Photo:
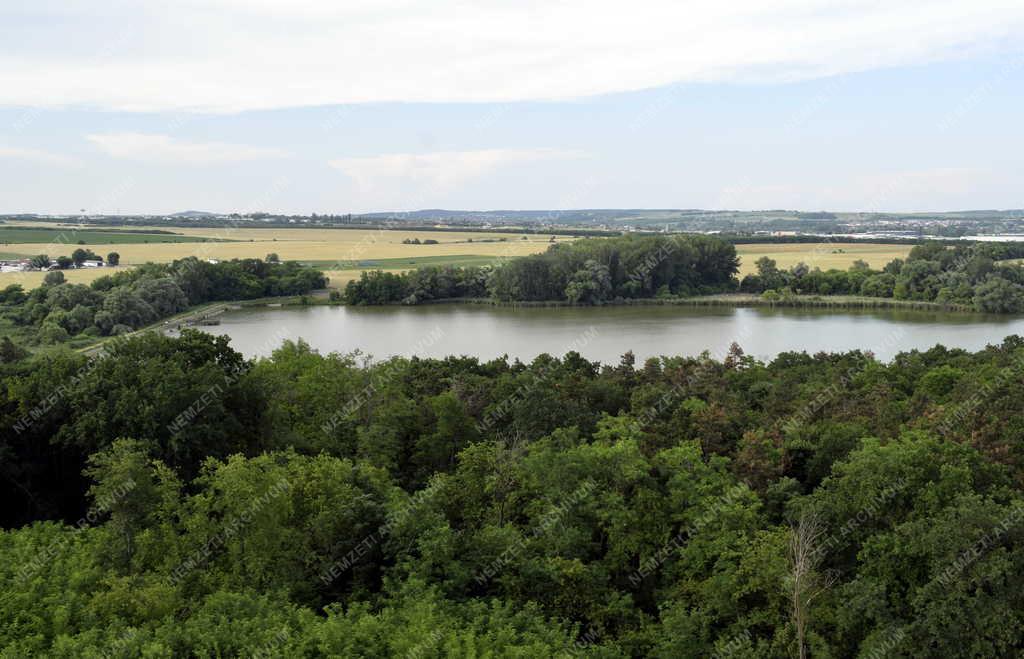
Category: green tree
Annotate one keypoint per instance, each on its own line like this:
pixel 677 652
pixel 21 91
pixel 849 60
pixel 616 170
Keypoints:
pixel 134 491
pixel 122 307
pixel 52 332
pixel 163 295
pixel 53 278
pixel 880 285
pixel 454 429
pixel 81 255
pixel 591 284
pixel 10 352
pixel 997 295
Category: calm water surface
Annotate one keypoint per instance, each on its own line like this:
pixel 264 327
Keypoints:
pixel 603 334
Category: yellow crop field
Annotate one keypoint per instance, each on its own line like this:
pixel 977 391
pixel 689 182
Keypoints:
pixel 824 255
pixel 327 247
pixel 335 250
pixel 338 245
pixel 29 280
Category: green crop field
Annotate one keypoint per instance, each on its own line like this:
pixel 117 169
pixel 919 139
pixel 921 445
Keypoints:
pixel 74 236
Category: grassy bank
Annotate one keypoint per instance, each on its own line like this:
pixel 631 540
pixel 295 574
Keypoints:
pixel 837 302
pixel 823 302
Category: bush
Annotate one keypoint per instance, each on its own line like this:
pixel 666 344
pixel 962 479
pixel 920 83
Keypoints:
pixel 51 332
pixel 53 278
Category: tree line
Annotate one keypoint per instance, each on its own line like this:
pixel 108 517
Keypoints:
pixel 127 300
pixel 979 276
pixel 975 276
pixel 588 271
pixel 77 258
pixel 173 498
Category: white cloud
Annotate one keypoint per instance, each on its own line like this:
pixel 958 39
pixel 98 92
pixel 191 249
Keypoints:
pixel 439 171
pixel 36 155
pixel 230 55
pixel 163 148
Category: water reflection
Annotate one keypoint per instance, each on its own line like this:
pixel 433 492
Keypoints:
pixel 604 334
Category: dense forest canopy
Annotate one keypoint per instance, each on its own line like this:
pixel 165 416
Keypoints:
pixel 171 498
pixel 130 299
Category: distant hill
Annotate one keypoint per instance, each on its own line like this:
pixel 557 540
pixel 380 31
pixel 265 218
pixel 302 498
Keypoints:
pixel 949 224
pixel 193 214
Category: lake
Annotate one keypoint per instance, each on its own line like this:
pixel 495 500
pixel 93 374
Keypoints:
pixel 604 333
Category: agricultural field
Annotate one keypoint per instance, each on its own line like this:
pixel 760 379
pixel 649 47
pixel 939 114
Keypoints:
pixel 824 255
pixel 70 235
pixel 340 276
pixel 320 245
pixel 344 253
pixel 821 255
pixel 29 280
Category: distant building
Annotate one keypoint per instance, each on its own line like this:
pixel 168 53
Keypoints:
pixel 20 265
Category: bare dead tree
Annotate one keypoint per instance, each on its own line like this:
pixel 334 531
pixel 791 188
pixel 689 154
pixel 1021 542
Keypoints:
pixel 806 582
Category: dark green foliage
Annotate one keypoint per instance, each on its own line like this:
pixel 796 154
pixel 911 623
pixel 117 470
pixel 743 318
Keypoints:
pixel 377 287
pixel 80 256
pixel 53 278
pixel 172 498
pixel 10 352
pixel 630 267
pixel 597 271
pixel 998 295
pixel 589 271
pixel 420 285
pixel 967 276
pixel 131 299
pixel 12 294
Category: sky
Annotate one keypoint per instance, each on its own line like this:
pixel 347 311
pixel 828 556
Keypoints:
pixel 119 106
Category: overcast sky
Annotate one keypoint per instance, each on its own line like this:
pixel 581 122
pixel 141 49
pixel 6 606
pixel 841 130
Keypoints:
pixel 355 105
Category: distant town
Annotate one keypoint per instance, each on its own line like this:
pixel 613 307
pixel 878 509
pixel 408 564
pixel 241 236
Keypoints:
pixel 973 224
